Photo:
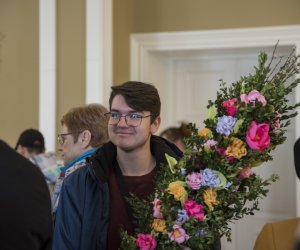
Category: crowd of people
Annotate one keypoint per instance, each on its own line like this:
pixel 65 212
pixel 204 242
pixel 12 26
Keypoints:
pixel 106 154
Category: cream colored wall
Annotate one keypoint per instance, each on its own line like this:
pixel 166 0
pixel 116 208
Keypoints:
pixel 19 49
pixel 183 15
pixel 18 68
pixel 122 27
pixel 70 56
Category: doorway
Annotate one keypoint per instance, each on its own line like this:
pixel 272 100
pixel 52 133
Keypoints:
pixel 186 67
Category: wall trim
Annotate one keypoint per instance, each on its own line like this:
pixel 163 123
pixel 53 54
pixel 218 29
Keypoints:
pixel 143 44
pixel 98 50
pixel 47 72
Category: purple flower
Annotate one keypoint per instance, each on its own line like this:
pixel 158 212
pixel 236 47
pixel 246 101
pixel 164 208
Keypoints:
pixel 178 234
pixel 225 124
pixel 210 143
pixel 193 180
pixel 210 178
pixel 182 216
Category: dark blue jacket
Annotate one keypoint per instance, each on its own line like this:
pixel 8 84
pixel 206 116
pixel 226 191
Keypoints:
pixel 83 212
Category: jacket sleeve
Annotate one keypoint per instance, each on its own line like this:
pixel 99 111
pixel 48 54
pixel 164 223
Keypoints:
pixel 68 225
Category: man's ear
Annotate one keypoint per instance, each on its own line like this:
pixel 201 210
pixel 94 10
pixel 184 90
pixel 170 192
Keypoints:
pixel 85 138
pixel 155 125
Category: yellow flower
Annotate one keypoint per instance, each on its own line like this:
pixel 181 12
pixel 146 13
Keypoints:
pixel 210 198
pixel 176 188
pixel 159 225
pixel 236 149
pixel 205 132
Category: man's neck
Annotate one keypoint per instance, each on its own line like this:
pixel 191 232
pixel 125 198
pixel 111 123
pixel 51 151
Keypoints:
pixel 136 163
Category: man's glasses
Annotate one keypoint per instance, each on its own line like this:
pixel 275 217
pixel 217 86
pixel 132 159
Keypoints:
pixel 61 137
pixel 131 119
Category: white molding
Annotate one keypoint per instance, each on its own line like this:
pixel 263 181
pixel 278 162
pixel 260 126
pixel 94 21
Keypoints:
pixel 47 72
pixel 142 45
pixel 98 50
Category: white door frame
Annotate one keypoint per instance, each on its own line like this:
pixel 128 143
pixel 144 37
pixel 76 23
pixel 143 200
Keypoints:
pixel 98 61
pixel 144 44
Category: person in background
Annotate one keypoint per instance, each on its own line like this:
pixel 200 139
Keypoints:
pixel 297 167
pixel 84 129
pixel 31 144
pixel 177 135
pixel 26 221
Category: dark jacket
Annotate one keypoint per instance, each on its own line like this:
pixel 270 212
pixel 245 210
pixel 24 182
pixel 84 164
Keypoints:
pixel 83 211
pixel 26 221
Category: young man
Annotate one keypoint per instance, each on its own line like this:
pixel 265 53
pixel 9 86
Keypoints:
pixel 93 207
pixel 84 129
pixel 26 221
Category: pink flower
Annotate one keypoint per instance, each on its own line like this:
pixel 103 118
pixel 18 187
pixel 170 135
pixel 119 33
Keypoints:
pixel 194 209
pixel 210 143
pixel 193 180
pixel 156 209
pixel 244 98
pixel 230 107
pixel 221 151
pixel 257 136
pixel 253 96
pixel 245 172
pixel 145 242
pixel 178 234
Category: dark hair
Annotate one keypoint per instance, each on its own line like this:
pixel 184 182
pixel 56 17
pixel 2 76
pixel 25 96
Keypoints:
pixel 176 133
pixel 33 140
pixel 297 157
pixel 139 96
pixel 88 117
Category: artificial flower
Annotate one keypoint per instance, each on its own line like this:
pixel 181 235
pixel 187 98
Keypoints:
pixel 205 132
pixel 225 124
pixel 159 225
pixel 193 180
pixel 194 210
pixel 178 234
pixel 210 198
pixel 145 242
pixel 230 106
pixel 257 136
pixel 245 172
pixel 156 209
pixel 236 149
pixel 177 189
pixel 182 216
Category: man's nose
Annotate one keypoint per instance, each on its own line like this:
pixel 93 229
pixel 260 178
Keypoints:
pixel 122 122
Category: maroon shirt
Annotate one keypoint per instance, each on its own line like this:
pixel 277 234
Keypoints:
pixel 142 187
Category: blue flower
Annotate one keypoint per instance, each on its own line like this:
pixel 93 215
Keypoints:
pixel 182 216
pixel 210 178
pixel 225 124
pixel 183 171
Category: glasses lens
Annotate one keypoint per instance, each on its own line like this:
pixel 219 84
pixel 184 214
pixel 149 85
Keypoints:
pixel 113 117
pixel 133 119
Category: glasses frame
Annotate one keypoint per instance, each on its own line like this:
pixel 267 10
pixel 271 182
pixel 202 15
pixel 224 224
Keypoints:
pixel 61 139
pixel 108 114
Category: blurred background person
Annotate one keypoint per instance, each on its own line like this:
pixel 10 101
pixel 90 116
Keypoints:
pixel 177 135
pixel 26 221
pixel 84 129
pixel 31 145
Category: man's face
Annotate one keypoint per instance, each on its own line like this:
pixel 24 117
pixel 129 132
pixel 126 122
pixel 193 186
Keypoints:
pixel 69 149
pixel 129 138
